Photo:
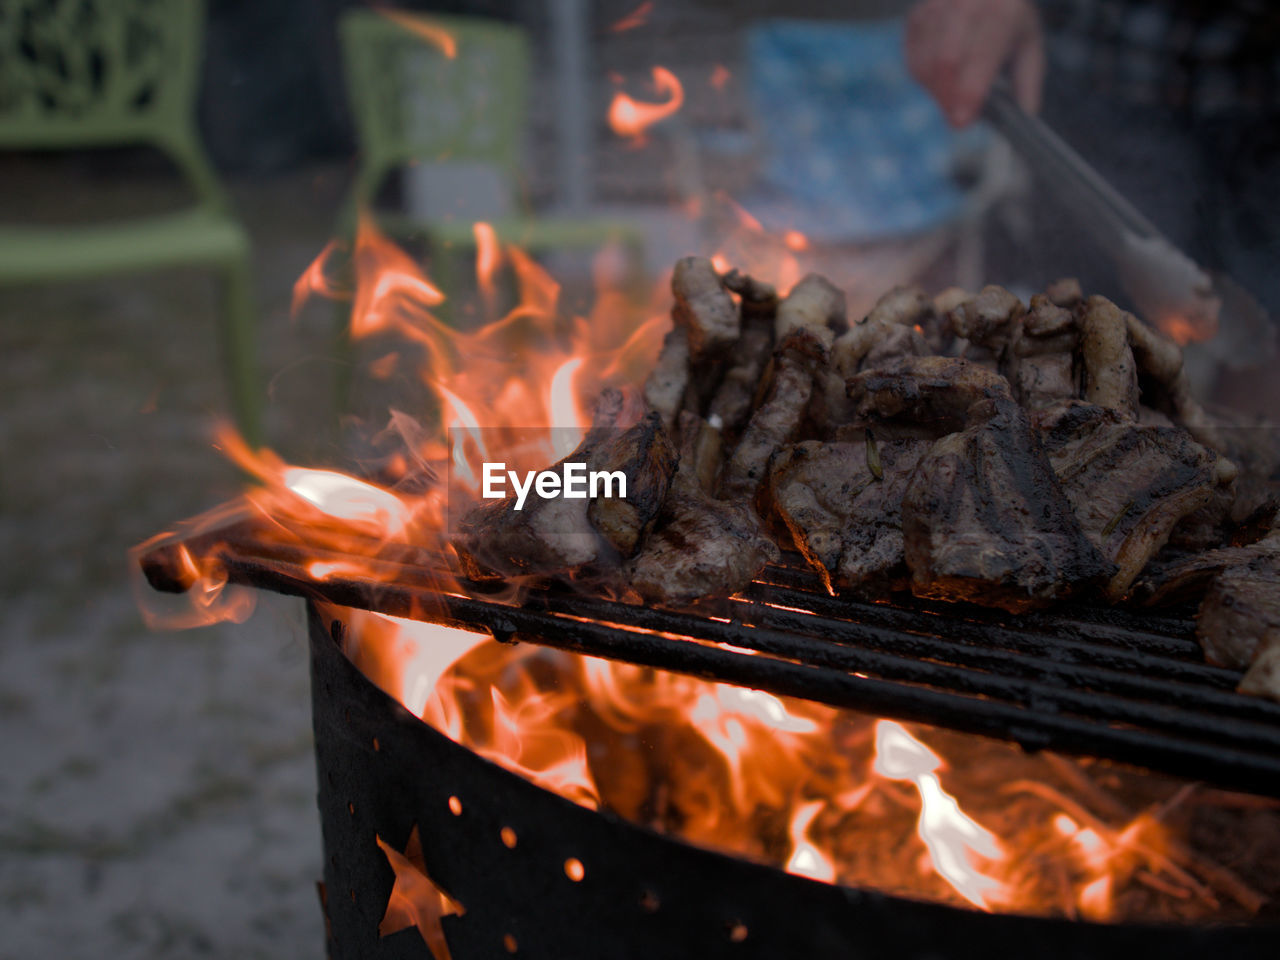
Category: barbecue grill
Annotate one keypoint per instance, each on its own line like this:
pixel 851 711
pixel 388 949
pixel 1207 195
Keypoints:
pixel 1111 683
pixel 382 771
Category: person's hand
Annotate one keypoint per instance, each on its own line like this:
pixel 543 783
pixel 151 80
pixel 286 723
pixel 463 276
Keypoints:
pixel 956 48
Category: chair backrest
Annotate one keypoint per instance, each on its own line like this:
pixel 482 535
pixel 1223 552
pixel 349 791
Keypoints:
pixel 93 73
pixel 414 103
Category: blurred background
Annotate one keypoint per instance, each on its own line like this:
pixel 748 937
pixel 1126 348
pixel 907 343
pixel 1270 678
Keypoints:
pixel 168 170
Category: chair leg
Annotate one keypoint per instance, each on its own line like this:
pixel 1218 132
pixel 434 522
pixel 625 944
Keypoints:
pixel 240 350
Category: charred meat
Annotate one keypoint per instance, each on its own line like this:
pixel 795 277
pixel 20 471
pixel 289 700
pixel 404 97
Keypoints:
pixel 842 503
pixel 1239 623
pixel 700 546
pixel 983 517
pixel 778 419
pixel 1128 484
pixel 555 535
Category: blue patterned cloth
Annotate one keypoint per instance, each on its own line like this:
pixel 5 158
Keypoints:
pixel 856 149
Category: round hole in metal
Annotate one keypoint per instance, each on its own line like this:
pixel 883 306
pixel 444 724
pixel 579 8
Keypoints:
pixel 455 806
pixel 649 901
pixel 351 808
pixel 508 838
pixel 737 932
pixel 376 745
pixel 509 942
pixel 574 870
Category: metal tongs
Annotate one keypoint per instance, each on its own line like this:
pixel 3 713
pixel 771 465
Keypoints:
pixel 1166 285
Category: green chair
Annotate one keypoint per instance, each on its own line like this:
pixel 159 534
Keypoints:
pixel 76 75
pixel 413 104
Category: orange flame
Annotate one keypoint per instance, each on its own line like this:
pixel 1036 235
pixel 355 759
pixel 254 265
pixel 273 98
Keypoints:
pixel 631 118
pixel 488 259
pixel 314 280
pixel 1184 329
pixel 416 900
pixel 807 860
pixel 951 836
pixel 636 18
pixel 795 240
pixel 432 33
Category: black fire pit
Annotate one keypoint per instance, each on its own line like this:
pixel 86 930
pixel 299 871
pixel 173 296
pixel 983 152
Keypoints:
pixel 383 772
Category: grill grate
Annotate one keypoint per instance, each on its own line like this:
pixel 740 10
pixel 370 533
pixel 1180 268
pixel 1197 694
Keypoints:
pixel 1105 682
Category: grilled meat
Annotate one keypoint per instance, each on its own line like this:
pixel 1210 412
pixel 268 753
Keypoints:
pixel 1065 293
pixel 1171 580
pixel 988 322
pixel 1239 623
pixel 983 517
pixel 645 456
pixel 842 504
pixel 665 387
pixel 731 405
pixel 1128 484
pixel 703 308
pixel 1063 452
pixel 813 303
pixel 893 328
pixel 1164 383
pixel 778 419
pixel 559 535
pixel 1040 357
pixel 700 546
pixel 926 396
pixel 757 296
pixel 1110 374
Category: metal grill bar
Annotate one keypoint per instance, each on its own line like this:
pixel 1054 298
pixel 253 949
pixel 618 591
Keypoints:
pixel 1107 683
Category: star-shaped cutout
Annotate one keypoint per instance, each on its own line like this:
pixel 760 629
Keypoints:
pixel 416 900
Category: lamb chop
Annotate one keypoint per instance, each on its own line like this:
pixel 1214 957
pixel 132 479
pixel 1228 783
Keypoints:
pixel 988 321
pixel 983 518
pixel 777 421
pixel 706 325
pixel 665 387
pixel 703 307
pixel 700 546
pixel 749 355
pixel 842 503
pixel 1040 358
pixel 1170 580
pixel 560 535
pixel 1110 373
pixel 895 327
pixel 1239 623
pixel 814 303
pixel 1129 484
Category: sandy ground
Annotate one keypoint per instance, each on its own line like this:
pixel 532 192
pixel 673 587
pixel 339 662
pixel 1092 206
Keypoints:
pixel 157 789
